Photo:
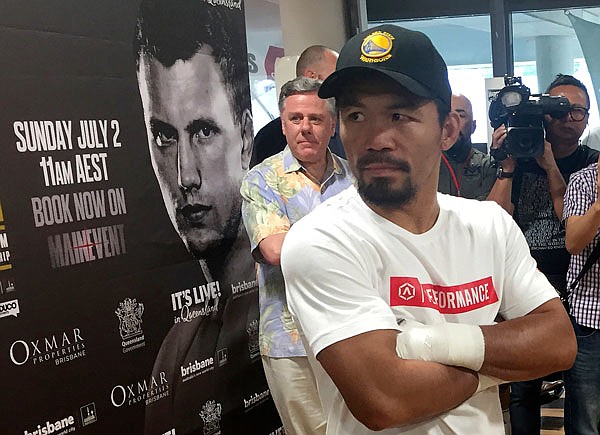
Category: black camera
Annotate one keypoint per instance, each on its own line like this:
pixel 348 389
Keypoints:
pixel 523 116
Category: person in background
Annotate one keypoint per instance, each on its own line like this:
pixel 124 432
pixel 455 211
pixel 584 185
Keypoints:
pixel 465 171
pixel 277 194
pixel 315 62
pixel 582 220
pixel 532 190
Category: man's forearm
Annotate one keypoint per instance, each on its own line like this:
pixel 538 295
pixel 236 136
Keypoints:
pixel 501 194
pixel 557 188
pixel 582 229
pixel 270 248
pixel 531 346
pixel 383 390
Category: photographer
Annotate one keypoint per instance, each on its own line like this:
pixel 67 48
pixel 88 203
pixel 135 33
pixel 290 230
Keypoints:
pixel 532 190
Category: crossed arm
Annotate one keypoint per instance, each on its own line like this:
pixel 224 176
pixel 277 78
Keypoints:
pixel 383 390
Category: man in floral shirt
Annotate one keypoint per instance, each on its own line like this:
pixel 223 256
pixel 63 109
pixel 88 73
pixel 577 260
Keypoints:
pixel 277 193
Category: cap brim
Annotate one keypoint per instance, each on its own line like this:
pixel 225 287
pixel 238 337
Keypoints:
pixel 336 82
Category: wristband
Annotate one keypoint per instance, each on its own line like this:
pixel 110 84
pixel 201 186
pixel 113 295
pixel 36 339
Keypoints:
pixel 501 173
pixel 451 344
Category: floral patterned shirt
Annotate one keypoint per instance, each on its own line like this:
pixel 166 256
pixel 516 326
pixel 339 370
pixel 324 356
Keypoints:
pixel 277 193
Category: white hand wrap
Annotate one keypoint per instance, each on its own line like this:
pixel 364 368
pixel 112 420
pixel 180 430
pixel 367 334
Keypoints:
pixel 451 344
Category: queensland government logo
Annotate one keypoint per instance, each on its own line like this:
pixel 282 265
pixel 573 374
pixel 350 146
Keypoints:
pixel 211 417
pixel 60 348
pixel 130 324
pixel 376 47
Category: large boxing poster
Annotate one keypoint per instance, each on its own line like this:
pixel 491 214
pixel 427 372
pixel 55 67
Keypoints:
pixel 128 299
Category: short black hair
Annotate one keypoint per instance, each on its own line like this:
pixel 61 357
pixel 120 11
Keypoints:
pixel 172 30
pixel 568 80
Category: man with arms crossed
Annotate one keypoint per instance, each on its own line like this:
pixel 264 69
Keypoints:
pixel 277 194
pixel 396 256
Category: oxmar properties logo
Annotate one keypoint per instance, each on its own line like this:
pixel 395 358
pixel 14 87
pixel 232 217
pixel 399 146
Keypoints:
pixel 129 314
pixel 60 348
pixel 147 391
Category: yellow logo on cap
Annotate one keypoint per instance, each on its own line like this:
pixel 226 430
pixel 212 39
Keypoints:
pixel 376 47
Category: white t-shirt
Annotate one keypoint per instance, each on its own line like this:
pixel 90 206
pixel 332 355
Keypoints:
pixel 349 271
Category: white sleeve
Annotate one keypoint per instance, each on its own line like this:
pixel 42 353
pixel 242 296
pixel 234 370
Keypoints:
pixel 330 287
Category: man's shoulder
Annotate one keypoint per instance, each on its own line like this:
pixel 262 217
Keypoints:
pixel 331 213
pixel 272 127
pixel 472 212
pixel 270 164
pixel 481 159
pixel 590 153
pixel 579 159
pixel 268 141
pixel 589 172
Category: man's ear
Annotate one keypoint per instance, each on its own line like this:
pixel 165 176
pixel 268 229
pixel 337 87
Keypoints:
pixel 310 74
pixel 334 123
pixel 474 126
pixel 247 132
pixel 450 130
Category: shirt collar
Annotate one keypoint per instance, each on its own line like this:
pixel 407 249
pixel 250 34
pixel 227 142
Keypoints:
pixel 291 163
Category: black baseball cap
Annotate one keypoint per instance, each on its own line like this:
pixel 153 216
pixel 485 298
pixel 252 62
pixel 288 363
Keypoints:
pixel 406 56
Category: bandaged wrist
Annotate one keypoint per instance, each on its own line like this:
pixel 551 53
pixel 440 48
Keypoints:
pixel 446 343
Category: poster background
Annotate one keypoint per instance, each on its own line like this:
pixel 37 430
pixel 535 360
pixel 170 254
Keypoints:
pixel 73 60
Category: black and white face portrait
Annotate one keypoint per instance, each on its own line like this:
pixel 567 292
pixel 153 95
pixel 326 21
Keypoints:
pixel 199 151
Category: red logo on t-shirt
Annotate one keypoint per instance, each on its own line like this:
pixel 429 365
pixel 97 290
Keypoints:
pixel 456 299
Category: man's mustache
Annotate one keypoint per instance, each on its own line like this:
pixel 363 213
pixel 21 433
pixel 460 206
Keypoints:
pixel 381 159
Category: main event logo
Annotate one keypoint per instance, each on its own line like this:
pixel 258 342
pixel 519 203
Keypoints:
pixel 457 299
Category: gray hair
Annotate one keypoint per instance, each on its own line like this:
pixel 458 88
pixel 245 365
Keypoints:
pixel 303 85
